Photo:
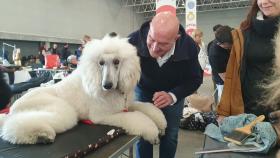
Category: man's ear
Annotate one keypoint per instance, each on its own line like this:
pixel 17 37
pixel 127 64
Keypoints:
pixel 178 36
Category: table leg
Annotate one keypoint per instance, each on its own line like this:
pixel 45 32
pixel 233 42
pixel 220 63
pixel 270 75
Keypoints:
pixel 131 152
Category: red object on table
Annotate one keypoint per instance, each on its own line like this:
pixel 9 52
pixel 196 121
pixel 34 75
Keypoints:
pixel 51 61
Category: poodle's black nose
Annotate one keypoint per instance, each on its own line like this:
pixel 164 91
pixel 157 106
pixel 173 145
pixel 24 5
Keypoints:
pixel 108 85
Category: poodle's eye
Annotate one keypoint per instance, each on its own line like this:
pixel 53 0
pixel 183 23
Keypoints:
pixel 101 62
pixel 116 61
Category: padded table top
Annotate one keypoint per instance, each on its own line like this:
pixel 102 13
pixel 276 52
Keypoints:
pixel 211 144
pixel 70 141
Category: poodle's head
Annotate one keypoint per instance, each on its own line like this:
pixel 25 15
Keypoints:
pixel 109 64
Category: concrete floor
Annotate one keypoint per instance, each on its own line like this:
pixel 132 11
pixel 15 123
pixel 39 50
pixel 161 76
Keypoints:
pixel 188 143
pixel 191 141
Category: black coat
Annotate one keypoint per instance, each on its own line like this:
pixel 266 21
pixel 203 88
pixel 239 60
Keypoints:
pixel 5 92
pixel 181 74
pixel 257 64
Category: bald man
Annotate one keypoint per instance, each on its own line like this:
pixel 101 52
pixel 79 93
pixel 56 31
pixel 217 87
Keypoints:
pixel 170 72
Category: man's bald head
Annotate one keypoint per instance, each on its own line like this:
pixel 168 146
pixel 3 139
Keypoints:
pixel 165 23
pixel 163 34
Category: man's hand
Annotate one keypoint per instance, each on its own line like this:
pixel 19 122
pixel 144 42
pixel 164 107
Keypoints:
pixel 162 99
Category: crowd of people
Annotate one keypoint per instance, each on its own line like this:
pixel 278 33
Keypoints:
pixel 64 57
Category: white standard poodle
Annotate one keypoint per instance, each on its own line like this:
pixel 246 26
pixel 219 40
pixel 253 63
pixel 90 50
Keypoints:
pixel 100 89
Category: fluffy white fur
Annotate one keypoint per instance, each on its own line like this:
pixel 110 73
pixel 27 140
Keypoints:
pixel 99 90
pixel 272 97
pixel 273 88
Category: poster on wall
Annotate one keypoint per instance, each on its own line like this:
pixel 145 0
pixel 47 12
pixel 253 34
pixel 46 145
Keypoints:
pixel 166 5
pixel 190 16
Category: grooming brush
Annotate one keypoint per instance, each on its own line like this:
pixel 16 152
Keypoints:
pixel 239 135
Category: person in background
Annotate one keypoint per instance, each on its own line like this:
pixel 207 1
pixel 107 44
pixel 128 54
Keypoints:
pixel 5 55
pixel 85 40
pixel 52 60
pixel 251 61
pixel 72 61
pixel 78 52
pixel 42 53
pixel 24 61
pixel 219 52
pixel 197 35
pixel 65 53
pixel 54 49
pixel 170 71
pixel 208 46
pixel 215 28
pixel 34 62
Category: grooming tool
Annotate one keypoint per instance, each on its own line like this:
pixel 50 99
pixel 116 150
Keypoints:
pixel 239 135
pixel 247 149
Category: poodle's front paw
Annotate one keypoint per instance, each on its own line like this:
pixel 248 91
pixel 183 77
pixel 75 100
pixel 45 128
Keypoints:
pixel 161 132
pixel 32 135
pixel 161 124
pixel 45 139
pixel 154 114
pixel 2 119
pixel 153 139
pixel 151 135
pixel 42 138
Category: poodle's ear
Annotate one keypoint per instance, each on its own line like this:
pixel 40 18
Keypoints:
pixel 129 73
pixel 91 76
pixel 89 67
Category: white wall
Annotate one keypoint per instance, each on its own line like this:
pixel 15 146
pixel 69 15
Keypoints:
pixel 206 20
pixel 68 20
pixel 63 20
pixel 233 18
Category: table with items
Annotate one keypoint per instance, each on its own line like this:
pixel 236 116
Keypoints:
pixel 74 142
pixel 211 145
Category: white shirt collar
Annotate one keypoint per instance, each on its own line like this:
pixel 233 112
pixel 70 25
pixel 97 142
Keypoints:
pixel 260 16
pixel 162 60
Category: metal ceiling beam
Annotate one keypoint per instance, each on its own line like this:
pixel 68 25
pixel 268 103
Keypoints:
pixel 148 7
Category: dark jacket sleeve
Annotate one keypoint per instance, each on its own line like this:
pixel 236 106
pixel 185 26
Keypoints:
pixel 194 74
pixel 218 58
pixel 191 84
pixel 218 63
pixel 133 38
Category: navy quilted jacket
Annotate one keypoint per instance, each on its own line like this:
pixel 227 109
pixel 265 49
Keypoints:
pixel 181 74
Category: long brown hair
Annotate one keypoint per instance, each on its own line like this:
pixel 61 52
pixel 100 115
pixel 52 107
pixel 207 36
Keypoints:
pixel 245 24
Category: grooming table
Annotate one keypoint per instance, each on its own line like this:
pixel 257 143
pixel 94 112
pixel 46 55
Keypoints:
pixel 210 144
pixel 70 141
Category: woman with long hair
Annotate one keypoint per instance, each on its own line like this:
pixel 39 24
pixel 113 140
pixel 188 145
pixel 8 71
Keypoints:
pixel 251 61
